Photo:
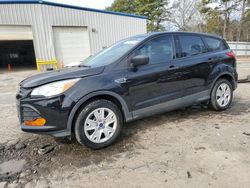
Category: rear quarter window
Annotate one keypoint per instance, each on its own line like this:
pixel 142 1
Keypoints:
pixel 214 44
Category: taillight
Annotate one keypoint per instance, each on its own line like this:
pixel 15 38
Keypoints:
pixel 231 54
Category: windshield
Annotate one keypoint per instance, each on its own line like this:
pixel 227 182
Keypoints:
pixel 112 53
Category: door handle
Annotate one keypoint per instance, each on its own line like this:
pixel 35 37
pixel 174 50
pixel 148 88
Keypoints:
pixel 172 67
pixel 210 60
pixel 121 80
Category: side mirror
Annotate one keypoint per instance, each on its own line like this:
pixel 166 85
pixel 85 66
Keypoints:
pixel 139 60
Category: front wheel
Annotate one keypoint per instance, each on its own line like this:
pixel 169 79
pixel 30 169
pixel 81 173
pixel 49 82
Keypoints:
pixel 98 124
pixel 222 95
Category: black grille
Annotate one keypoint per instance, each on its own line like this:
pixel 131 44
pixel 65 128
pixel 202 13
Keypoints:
pixel 28 113
pixel 18 110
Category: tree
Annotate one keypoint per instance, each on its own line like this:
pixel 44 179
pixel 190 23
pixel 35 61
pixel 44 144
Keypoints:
pixel 184 14
pixel 245 30
pixel 155 10
pixel 214 23
pixel 127 6
pixel 243 10
pixel 212 18
pixel 224 8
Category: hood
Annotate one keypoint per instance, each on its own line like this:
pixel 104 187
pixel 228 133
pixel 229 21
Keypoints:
pixel 68 73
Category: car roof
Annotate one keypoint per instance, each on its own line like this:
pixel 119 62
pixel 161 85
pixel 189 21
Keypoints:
pixel 181 32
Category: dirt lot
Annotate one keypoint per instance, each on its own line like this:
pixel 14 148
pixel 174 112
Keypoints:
pixel 244 66
pixel 195 147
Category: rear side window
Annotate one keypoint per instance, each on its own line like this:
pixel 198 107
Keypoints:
pixel 214 44
pixel 191 45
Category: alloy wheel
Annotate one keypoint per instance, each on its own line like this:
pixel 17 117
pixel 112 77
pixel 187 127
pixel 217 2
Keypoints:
pixel 223 95
pixel 100 125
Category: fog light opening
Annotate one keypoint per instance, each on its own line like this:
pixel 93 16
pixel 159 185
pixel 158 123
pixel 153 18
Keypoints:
pixel 36 122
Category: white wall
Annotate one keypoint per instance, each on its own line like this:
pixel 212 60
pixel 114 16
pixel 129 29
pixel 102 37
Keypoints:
pixel 240 48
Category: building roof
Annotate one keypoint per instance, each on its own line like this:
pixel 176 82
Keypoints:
pixel 68 6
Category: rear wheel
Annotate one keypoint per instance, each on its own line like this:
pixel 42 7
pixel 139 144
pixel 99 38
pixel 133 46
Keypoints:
pixel 98 124
pixel 222 95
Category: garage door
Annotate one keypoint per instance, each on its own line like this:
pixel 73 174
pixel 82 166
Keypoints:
pixel 15 33
pixel 16 47
pixel 71 44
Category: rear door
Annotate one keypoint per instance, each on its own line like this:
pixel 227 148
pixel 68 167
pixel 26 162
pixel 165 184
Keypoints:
pixel 150 86
pixel 217 51
pixel 193 64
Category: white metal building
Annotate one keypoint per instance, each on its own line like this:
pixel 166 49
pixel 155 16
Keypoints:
pixel 35 29
pixel 240 48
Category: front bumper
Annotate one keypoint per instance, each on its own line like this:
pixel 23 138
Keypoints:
pixel 55 110
pixel 45 131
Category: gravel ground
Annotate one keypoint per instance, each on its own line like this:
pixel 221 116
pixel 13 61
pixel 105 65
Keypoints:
pixel 194 147
pixel 244 67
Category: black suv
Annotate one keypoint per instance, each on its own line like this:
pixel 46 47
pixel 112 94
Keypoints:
pixel 134 78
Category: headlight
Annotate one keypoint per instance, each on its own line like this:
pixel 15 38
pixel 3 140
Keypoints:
pixel 54 88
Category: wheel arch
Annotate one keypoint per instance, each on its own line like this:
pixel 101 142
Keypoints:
pixel 113 97
pixel 226 75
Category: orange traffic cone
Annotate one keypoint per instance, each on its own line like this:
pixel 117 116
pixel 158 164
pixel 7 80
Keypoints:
pixel 62 65
pixel 9 67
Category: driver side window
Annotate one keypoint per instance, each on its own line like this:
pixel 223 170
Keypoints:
pixel 159 50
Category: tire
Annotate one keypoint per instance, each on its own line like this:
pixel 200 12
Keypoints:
pixel 216 102
pixel 94 131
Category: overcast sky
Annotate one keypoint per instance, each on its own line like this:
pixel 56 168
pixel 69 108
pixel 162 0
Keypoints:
pixel 98 4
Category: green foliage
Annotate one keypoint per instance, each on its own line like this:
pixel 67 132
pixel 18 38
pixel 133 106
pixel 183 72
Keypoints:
pixel 214 23
pixel 218 18
pixel 127 6
pixel 155 10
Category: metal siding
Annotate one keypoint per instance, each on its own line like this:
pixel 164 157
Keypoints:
pixel 109 27
pixel 71 44
pixel 240 48
pixel 15 32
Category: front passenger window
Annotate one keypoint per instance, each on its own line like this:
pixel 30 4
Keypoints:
pixel 159 50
